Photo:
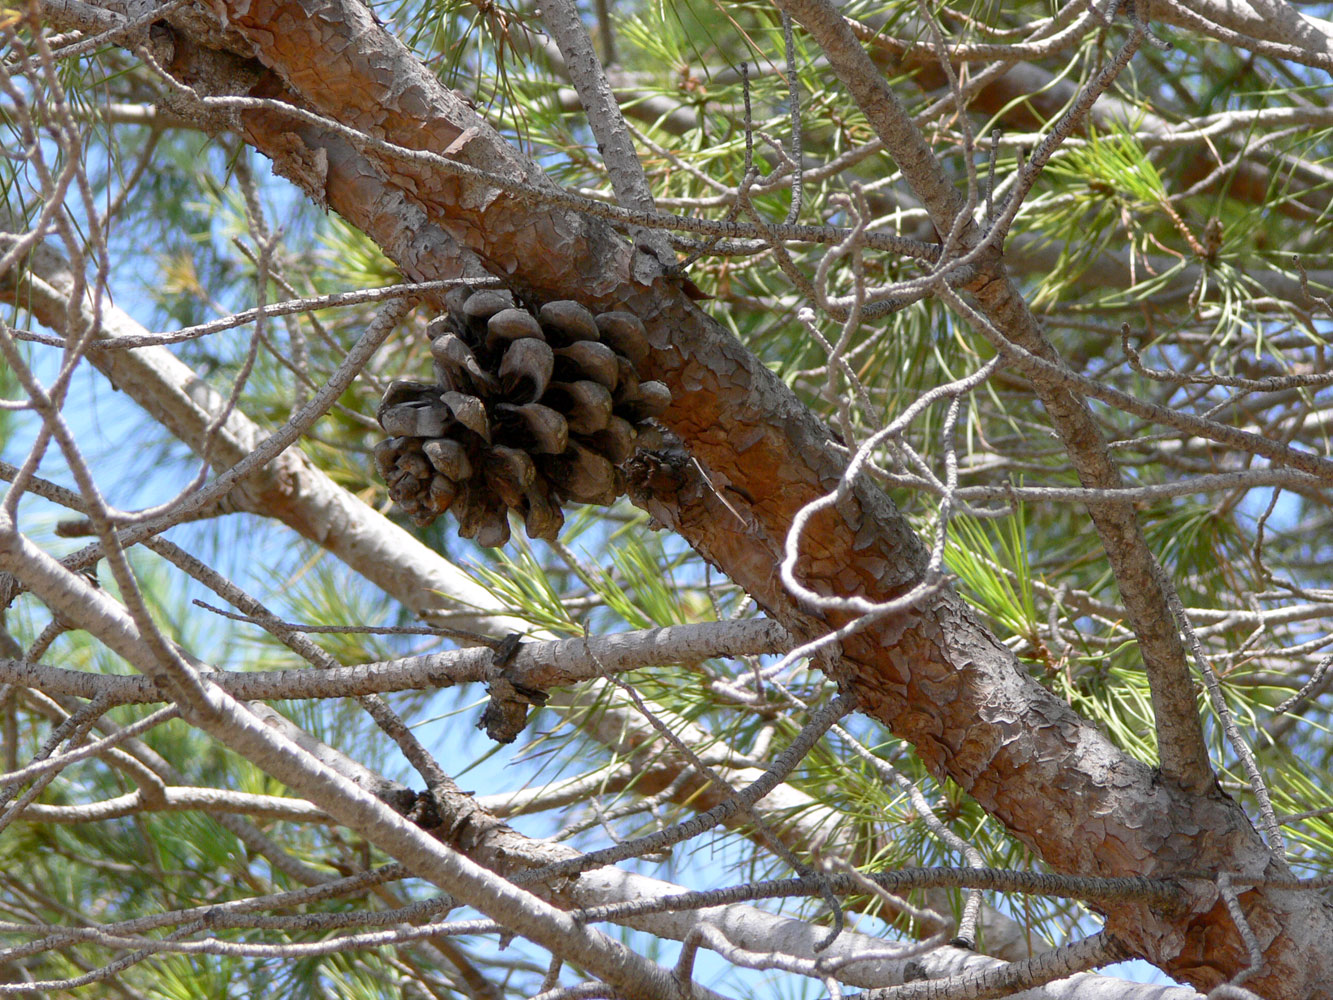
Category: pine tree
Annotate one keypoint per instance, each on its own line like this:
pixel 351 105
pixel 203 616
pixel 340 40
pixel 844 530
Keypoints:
pixel 664 500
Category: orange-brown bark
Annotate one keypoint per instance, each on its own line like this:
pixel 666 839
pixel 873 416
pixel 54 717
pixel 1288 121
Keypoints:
pixel 936 677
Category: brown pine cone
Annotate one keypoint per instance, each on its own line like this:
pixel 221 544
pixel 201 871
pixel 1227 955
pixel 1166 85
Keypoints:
pixel 526 411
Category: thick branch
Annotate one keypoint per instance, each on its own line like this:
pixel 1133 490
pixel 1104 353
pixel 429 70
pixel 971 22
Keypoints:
pixel 1180 734
pixel 936 677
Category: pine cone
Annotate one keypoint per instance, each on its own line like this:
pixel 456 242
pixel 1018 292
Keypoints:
pixel 525 412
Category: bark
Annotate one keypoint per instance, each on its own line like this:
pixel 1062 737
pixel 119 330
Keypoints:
pixel 936 677
pixel 1179 736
